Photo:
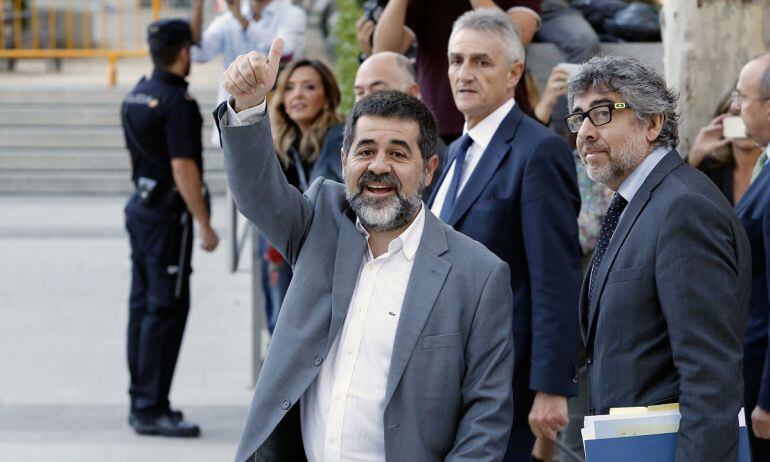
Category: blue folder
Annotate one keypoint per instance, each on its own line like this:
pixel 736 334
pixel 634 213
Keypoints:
pixel 648 448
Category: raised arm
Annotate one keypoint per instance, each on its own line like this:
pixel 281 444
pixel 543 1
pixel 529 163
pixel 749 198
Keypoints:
pixel 259 186
pixel 391 33
pixel 196 21
pixel 523 17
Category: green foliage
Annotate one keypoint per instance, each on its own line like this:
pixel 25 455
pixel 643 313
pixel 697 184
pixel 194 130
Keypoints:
pixel 347 50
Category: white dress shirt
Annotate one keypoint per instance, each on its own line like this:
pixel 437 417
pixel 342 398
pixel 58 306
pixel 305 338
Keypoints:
pixel 481 135
pixel 342 411
pixel 226 36
pixel 630 186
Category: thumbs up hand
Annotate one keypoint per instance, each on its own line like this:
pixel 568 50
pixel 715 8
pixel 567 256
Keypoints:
pixel 251 76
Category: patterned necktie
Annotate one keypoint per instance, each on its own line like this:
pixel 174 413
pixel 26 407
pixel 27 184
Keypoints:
pixel 459 161
pixel 759 165
pixel 610 222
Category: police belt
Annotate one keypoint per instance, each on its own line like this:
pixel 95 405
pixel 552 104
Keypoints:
pixel 152 192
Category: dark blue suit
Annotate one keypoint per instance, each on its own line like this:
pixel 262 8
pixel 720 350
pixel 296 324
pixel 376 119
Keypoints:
pixel 754 212
pixel 522 202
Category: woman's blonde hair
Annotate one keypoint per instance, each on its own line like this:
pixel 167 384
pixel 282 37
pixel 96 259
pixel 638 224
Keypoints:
pixel 286 131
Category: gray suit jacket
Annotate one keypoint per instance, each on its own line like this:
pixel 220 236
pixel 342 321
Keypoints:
pixel 448 394
pixel 667 317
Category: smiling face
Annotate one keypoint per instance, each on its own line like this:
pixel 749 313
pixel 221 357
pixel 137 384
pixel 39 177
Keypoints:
pixel 385 174
pixel 481 77
pixel 304 96
pixel 612 151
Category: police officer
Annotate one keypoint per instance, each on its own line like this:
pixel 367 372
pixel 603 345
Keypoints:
pixel 162 126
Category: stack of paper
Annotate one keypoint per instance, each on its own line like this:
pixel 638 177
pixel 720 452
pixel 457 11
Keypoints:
pixel 642 435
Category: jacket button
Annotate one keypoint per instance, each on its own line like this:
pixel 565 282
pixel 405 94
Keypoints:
pixel 575 380
pixel 318 360
pixel 589 361
pixel 285 404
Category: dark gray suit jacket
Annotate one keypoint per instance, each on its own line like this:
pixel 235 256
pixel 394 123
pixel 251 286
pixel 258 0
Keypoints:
pixel 448 394
pixel 667 318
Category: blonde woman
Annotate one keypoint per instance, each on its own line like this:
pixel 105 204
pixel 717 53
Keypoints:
pixel 303 115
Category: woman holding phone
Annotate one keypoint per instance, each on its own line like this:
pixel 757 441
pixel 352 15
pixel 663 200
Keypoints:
pixel 722 151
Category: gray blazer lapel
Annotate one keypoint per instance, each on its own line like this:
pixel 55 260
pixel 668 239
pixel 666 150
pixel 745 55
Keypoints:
pixel 635 207
pixel 351 245
pixel 428 274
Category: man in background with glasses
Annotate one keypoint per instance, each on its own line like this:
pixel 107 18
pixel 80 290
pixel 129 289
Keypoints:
pixel 664 298
pixel 752 98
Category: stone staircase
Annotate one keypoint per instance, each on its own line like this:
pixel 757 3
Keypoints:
pixel 64 136
pixel 70 141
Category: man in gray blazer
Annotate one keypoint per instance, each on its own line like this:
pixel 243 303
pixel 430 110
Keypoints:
pixel 394 340
pixel 664 300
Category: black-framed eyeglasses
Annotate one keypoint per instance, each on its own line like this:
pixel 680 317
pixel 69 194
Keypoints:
pixel 598 115
pixel 736 96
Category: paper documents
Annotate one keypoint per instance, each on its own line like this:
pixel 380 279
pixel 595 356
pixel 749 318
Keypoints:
pixel 641 434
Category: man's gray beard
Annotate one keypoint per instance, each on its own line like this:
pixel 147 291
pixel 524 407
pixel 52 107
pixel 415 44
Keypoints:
pixel 624 159
pixel 381 215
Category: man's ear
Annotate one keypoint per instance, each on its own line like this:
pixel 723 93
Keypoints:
pixel 343 159
pixel 184 54
pixel 414 90
pixel 654 127
pixel 515 73
pixel 430 168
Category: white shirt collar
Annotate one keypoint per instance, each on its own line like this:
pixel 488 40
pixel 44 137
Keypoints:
pixel 408 240
pixel 483 132
pixel 631 185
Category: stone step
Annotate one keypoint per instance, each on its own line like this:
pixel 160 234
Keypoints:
pixel 68 137
pixel 109 159
pixel 102 96
pixel 69 116
pixel 81 182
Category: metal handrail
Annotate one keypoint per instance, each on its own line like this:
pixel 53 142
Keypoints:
pixel 14 46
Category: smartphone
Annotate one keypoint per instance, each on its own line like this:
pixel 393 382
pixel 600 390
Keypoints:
pixel 733 127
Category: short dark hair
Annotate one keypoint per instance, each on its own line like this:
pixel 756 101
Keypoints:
pixel 393 104
pixel 164 58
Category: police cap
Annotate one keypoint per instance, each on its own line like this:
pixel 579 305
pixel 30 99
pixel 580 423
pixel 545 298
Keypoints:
pixel 168 33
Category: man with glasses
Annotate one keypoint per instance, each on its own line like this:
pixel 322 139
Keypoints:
pixel 664 298
pixel 752 98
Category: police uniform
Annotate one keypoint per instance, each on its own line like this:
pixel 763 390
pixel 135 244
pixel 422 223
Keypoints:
pixel 161 121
